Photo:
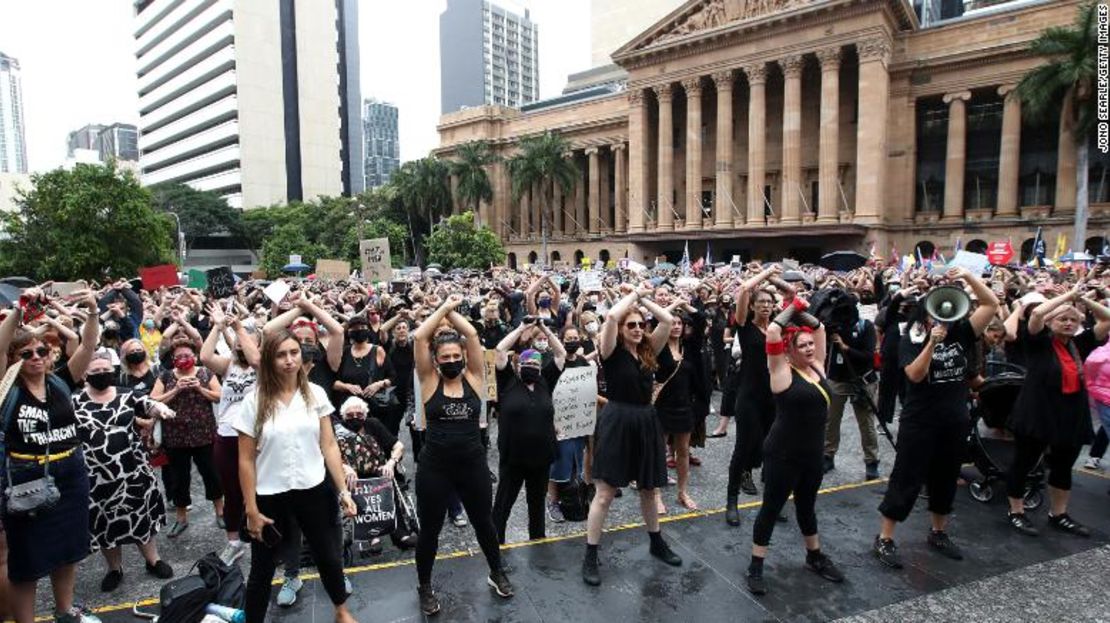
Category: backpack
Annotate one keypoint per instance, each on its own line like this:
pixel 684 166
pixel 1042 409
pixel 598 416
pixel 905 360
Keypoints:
pixel 184 599
pixel 574 499
pixel 226 581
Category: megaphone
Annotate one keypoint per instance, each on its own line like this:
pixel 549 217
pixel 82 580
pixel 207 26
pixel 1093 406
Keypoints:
pixel 947 304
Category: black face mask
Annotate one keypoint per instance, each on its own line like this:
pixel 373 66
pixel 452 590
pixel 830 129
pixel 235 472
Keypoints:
pixel 360 336
pixel 529 374
pixel 99 381
pixel 572 347
pixel 353 424
pixel 309 352
pixel 452 369
pixel 111 334
pixel 135 358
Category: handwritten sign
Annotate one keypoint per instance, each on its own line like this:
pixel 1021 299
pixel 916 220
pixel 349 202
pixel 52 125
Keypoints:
pixel 377 508
pixel 336 270
pixel 575 400
pixel 490 367
pixel 975 263
pixel 376 264
pixel 589 280
pixel 221 282
pixel 277 291
pixel 65 288
pixel 155 277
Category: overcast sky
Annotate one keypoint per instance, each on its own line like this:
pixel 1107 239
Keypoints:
pixel 78 65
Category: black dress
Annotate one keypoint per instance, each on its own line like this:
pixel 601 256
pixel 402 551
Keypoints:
pixel 674 406
pixel 628 439
pixel 755 407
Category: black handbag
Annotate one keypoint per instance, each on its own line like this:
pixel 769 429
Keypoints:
pixel 183 600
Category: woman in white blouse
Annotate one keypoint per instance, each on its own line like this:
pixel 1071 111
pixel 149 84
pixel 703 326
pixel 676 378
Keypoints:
pixel 287 451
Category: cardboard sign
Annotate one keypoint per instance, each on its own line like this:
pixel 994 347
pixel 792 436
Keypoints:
pixel 589 280
pixel 575 400
pixel 376 261
pixel 1000 253
pixel 155 277
pixel 490 368
pixel 336 270
pixel 377 508
pixel 277 291
pixel 197 279
pixel 221 282
pixel 258 274
pixel 295 259
pixel 65 288
pixel 975 263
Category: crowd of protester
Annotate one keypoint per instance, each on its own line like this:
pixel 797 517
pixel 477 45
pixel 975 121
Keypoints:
pixel 281 406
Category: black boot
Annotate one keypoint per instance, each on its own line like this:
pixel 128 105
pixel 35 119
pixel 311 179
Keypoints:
pixel 590 573
pixel 747 485
pixel 732 513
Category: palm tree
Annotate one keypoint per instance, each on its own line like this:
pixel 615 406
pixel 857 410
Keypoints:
pixel 1066 82
pixel 470 167
pixel 542 161
pixel 422 188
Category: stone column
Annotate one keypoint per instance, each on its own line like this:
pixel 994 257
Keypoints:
pixel 723 200
pixel 791 139
pixel 525 211
pixel 1009 157
pixel 605 208
pixel 1066 167
pixel 637 159
pixel 692 86
pixel 595 190
pixel 454 184
pixel 757 141
pixel 665 198
pixel 874 102
pixel 537 208
pixel 557 209
pixel 620 193
pixel 828 174
pixel 580 189
pixel 956 156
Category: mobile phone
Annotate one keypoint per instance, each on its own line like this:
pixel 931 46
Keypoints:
pixel 271 537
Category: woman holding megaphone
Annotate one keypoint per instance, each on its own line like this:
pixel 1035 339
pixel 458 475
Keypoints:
pixel 936 356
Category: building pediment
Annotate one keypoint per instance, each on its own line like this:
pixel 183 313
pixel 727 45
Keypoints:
pixel 698 16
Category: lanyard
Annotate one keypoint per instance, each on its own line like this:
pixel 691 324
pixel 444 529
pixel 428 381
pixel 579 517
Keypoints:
pixel 817 386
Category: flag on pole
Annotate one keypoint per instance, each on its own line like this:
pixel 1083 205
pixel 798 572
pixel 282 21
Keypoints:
pixel 1040 249
pixel 685 263
pixel 1061 247
pixel 920 260
pixel 959 244
pixel 708 255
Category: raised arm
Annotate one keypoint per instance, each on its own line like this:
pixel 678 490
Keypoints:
pixel 558 351
pixel 506 343
pixel 1101 314
pixel 334 349
pixel 610 329
pixel 777 366
pixel 663 329
pixel 475 354
pixel 90 334
pixel 1037 318
pixel 209 358
pixel 422 341
pixel 744 293
pixel 988 302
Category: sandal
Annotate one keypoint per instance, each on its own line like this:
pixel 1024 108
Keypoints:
pixel 177 529
pixel 687 503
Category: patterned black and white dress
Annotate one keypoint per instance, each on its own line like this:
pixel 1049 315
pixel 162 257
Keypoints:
pixel 125 504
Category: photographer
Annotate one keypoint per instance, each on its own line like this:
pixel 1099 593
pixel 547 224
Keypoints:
pixel 852 372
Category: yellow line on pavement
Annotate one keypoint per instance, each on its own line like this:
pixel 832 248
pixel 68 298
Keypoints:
pixel 469 552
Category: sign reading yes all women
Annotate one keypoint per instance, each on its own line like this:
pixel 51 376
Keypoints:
pixel 377 510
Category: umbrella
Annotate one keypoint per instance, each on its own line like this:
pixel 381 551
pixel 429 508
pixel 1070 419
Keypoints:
pixel 436 266
pixel 843 261
pixel 433 272
pixel 1077 256
pixel 664 266
pixel 9 294
pixel 295 268
pixel 19 282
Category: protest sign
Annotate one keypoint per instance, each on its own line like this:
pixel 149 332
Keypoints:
pixel 336 270
pixel 155 277
pixel 376 265
pixel 197 279
pixel 221 282
pixel 65 288
pixel 589 280
pixel 277 291
pixel 490 368
pixel 1001 252
pixel 975 263
pixel 575 400
pixel 377 508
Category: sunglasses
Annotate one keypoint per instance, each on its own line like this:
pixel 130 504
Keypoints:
pixel 633 324
pixel 41 352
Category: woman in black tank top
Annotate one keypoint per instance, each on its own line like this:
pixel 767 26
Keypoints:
pixel 794 447
pixel 449 365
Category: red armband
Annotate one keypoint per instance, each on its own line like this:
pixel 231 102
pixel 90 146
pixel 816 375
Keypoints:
pixel 776 348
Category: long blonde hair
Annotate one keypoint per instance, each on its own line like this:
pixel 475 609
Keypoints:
pixel 269 381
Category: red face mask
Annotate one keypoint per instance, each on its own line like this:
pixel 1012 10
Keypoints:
pixel 184 362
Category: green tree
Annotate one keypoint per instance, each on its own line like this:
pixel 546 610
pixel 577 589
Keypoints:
pixel 542 161
pixel 286 240
pixel 424 192
pixel 1066 83
pixel 457 243
pixel 92 222
pixel 470 167
pixel 202 213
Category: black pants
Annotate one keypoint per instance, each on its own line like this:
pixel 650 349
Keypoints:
pixel 316 511
pixel 892 387
pixel 1102 440
pixel 781 478
pixel 728 392
pixel 928 454
pixel 509 480
pixel 436 480
pixel 1027 451
pixel 753 420
pixel 181 466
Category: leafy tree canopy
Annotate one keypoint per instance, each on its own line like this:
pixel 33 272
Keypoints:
pixel 202 213
pixel 456 243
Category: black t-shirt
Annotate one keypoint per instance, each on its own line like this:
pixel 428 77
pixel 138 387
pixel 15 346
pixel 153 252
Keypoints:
pixel 140 385
pixel 527 420
pixel 941 397
pixel 33 418
pixel 755 380
pixel 627 381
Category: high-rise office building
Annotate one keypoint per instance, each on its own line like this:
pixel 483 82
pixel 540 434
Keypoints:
pixel 487 55
pixel 249 98
pixel 13 142
pixel 87 137
pixel 383 148
pixel 119 141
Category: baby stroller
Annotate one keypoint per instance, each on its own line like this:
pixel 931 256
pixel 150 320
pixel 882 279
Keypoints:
pixel 990 446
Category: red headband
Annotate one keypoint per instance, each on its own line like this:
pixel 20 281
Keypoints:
pixel 792 332
pixel 305 322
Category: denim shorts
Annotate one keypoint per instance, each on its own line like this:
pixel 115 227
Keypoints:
pixel 569 456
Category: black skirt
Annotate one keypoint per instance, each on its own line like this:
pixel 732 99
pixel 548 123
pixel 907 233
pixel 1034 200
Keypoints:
pixel 675 420
pixel 628 445
pixel 54 538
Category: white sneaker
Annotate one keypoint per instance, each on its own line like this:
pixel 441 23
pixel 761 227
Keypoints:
pixel 287 596
pixel 347 588
pixel 233 552
pixel 1093 463
pixel 459 520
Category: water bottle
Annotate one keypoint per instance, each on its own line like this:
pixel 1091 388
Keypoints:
pixel 231 615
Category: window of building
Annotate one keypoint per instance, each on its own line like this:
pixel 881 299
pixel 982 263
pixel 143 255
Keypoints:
pixel 984 143
pixel 932 142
